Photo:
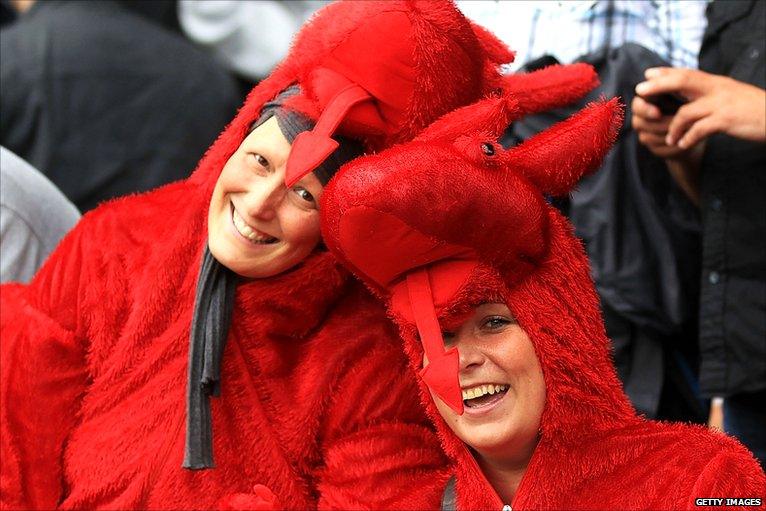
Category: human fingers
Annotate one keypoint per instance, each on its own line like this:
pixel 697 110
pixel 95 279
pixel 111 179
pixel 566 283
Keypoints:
pixel 654 72
pixel 670 80
pixel 651 140
pixel 699 131
pixel 657 146
pixel 686 116
pixel 659 127
pixel 642 108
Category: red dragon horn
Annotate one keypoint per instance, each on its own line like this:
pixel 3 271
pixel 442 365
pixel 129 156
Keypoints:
pixel 557 158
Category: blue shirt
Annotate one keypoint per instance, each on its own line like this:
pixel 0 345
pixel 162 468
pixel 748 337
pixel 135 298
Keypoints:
pixel 568 30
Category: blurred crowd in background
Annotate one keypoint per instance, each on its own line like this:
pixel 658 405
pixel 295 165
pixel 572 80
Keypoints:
pixel 104 98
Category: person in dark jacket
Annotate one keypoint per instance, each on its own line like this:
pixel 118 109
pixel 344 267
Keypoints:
pixel 105 102
pixel 716 143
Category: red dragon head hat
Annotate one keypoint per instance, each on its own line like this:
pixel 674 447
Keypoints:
pixel 374 71
pixel 439 224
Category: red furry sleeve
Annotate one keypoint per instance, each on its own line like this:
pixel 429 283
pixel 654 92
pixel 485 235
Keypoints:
pixel 42 376
pixel 733 473
pixel 380 451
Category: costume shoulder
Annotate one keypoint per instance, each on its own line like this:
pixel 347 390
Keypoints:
pixel 372 382
pixel 155 217
pixel 378 442
pixel 732 472
pixel 670 465
pixel 91 272
pixel 360 322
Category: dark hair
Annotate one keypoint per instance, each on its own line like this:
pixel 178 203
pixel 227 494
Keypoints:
pixel 292 123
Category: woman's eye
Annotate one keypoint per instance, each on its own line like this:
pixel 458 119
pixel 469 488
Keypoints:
pixel 304 194
pixel 448 338
pixel 496 322
pixel 258 159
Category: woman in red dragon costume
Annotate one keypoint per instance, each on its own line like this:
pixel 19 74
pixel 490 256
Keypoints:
pixel 204 326
pixel 492 295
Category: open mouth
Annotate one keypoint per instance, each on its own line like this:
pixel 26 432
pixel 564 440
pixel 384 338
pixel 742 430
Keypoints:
pixel 482 396
pixel 249 233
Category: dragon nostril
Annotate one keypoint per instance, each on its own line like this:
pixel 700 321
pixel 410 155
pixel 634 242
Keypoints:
pixel 488 149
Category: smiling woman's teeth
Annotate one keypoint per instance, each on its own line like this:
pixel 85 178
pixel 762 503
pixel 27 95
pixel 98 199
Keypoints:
pixel 246 231
pixel 483 390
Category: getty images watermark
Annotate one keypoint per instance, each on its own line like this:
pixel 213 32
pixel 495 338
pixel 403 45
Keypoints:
pixel 728 501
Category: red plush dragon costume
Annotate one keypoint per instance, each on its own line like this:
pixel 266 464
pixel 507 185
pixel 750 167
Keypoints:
pixel 313 409
pixel 451 220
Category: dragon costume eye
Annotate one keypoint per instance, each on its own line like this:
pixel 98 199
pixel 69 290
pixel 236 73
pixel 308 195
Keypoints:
pixel 488 149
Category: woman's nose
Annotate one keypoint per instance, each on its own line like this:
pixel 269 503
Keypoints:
pixel 263 199
pixel 470 355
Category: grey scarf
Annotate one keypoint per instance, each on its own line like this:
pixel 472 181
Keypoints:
pixel 214 301
pixel 213 306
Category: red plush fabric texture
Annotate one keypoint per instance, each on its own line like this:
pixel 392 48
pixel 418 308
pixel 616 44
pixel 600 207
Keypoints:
pixel 261 499
pixel 417 58
pixel 314 393
pixel 94 362
pixel 594 452
pixel 437 62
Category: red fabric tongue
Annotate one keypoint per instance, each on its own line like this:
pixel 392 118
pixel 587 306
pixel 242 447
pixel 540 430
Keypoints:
pixel 311 148
pixel 441 373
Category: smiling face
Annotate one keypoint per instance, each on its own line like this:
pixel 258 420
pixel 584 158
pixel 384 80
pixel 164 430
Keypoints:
pixel 502 385
pixel 257 227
